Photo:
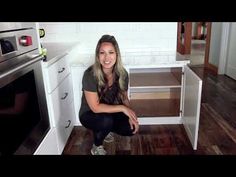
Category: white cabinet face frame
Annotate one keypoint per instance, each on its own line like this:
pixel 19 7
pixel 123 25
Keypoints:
pixel 160 119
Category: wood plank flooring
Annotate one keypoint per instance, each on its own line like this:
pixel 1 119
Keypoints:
pixel 217 129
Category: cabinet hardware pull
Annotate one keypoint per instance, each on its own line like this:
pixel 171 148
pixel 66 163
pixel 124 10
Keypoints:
pixel 69 122
pixel 61 70
pixel 66 94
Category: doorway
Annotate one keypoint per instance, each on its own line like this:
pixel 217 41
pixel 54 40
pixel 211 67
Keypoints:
pixel 193 42
pixel 198 43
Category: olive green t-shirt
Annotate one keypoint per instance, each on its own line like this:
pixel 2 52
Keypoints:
pixel 89 83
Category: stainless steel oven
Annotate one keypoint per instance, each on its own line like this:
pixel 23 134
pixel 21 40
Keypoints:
pixel 24 119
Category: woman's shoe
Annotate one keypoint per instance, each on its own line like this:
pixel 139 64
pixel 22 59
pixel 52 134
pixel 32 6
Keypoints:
pixel 109 138
pixel 98 150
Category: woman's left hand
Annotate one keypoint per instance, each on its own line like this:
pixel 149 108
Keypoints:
pixel 134 125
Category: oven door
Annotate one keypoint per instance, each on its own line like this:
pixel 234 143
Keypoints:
pixel 24 116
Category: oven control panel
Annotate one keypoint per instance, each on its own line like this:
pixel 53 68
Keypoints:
pixel 16 43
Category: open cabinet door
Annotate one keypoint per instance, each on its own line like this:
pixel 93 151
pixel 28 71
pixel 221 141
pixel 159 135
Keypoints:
pixel 191 104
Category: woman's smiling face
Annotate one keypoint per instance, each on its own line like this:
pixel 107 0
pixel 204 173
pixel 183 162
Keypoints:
pixel 107 55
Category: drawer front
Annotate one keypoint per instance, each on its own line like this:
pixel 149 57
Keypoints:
pixel 65 126
pixel 60 98
pixel 56 73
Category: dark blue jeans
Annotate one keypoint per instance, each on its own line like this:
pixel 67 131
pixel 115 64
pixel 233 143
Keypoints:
pixel 103 123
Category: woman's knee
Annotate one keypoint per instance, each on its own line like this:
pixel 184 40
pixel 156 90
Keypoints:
pixel 105 121
pixel 97 121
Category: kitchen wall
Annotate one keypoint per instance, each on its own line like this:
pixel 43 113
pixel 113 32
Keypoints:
pixel 194 29
pixel 131 36
pixel 215 43
pixel 231 59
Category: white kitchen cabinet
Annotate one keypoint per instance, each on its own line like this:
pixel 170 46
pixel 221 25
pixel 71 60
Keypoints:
pixel 60 102
pixel 166 95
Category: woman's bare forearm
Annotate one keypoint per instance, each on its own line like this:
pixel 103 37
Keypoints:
pixel 105 108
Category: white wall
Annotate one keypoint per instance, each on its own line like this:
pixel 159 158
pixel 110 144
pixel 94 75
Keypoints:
pixel 215 43
pixel 231 53
pixel 156 36
pixel 194 29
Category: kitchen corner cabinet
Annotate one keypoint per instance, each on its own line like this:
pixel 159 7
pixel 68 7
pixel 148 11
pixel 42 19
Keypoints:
pixel 58 84
pixel 166 95
pixel 160 94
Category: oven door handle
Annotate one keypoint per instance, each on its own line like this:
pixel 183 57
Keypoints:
pixel 21 66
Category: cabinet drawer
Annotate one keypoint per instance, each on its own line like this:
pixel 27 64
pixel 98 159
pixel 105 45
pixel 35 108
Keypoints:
pixel 56 73
pixel 65 125
pixel 60 98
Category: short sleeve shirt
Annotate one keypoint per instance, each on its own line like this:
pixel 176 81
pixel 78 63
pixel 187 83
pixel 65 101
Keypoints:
pixel 90 83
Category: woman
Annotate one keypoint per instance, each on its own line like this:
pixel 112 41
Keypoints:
pixel 105 105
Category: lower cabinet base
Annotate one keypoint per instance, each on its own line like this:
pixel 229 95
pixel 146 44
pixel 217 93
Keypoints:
pixel 62 137
pixel 49 144
pixel 54 142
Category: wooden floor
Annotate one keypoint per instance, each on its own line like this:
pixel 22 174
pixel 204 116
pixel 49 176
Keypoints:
pixel 217 130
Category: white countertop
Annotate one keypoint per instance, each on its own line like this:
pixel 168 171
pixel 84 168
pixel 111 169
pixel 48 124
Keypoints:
pixel 132 58
pixel 57 50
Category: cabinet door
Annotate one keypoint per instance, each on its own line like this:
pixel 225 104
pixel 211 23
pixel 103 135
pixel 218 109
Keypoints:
pixel 191 105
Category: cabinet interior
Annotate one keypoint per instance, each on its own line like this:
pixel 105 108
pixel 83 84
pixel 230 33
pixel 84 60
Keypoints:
pixel 155 92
